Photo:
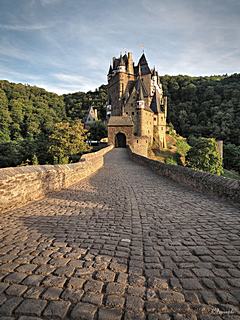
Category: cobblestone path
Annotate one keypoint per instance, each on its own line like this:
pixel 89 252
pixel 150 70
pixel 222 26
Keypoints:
pixel 122 244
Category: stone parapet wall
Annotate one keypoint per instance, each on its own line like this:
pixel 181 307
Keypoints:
pixel 20 185
pixel 201 181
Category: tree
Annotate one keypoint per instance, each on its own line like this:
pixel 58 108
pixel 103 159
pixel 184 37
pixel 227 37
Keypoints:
pixel 67 139
pixel 97 130
pixel 204 156
pixel 231 157
pixel 5 118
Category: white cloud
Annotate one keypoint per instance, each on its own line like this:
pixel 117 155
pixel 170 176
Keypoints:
pixel 27 27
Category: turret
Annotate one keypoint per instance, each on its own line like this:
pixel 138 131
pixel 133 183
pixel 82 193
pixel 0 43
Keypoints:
pixel 121 67
pixel 140 97
pixel 130 63
pixel 140 106
pixel 154 76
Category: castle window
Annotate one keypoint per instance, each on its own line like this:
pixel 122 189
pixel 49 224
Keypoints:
pixel 126 112
pixel 155 118
pixel 137 141
pixel 133 113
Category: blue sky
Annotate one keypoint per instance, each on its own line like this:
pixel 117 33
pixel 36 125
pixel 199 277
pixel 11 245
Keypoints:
pixel 67 45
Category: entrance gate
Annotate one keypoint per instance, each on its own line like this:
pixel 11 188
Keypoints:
pixel 120 140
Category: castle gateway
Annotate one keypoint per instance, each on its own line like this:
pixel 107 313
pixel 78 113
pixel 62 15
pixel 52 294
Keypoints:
pixel 137 107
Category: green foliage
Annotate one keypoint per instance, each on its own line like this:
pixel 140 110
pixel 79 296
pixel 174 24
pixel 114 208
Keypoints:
pixel 171 160
pixel 27 116
pixel 205 106
pixel 204 156
pixel 231 174
pixel 5 118
pixel 67 139
pixel 97 130
pixel 34 160
pixel 11 154
pixel 77 104
pixel 182 147
pixel 231 157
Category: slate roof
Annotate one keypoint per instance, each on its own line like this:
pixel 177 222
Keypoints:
pixel 110 69
pixel 140 86
pixel 144 65
pixel 120 121
pixel 156 103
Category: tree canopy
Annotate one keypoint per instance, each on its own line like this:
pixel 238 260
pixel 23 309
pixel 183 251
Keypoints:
pixel 205 106
pixel 67 139
pixel 204 156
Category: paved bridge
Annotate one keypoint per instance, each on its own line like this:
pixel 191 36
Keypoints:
pixel 122 244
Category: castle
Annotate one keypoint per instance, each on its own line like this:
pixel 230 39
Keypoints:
pixel 137 107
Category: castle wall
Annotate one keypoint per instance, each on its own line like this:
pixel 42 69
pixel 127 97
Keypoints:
pixel 147 124
pixel 159 131
pixel 113 131
pixel 140 145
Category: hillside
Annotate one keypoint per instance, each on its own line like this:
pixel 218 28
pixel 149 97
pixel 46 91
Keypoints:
pixel 200 106
pixel 27 117
pixel 205 106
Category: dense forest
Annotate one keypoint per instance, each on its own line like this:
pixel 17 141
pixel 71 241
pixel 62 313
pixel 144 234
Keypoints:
pixel 205 106
pixel 77 104
pixel 198 106
pixel 28 115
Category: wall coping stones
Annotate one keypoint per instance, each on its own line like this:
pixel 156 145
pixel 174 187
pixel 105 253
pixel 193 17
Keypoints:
pixel 202 181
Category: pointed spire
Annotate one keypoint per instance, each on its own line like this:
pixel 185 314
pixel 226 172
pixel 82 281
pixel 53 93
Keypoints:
pixel 143 60
pixel 154 72
pixel 110 69
pixel 144 65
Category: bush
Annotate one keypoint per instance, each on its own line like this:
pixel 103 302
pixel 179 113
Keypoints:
pixel 205 156
pixel 171 160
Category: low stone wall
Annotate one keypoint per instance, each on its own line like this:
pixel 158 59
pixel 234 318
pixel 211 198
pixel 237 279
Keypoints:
pixel 201 181
pixel 23 184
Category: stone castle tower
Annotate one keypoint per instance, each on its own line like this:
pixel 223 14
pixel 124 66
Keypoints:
pixel 137 107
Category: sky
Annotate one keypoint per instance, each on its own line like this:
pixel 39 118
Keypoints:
pixel 67 45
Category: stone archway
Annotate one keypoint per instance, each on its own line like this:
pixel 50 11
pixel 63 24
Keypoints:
pixel 120 140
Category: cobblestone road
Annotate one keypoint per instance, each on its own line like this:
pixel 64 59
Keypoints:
pixel 123 244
